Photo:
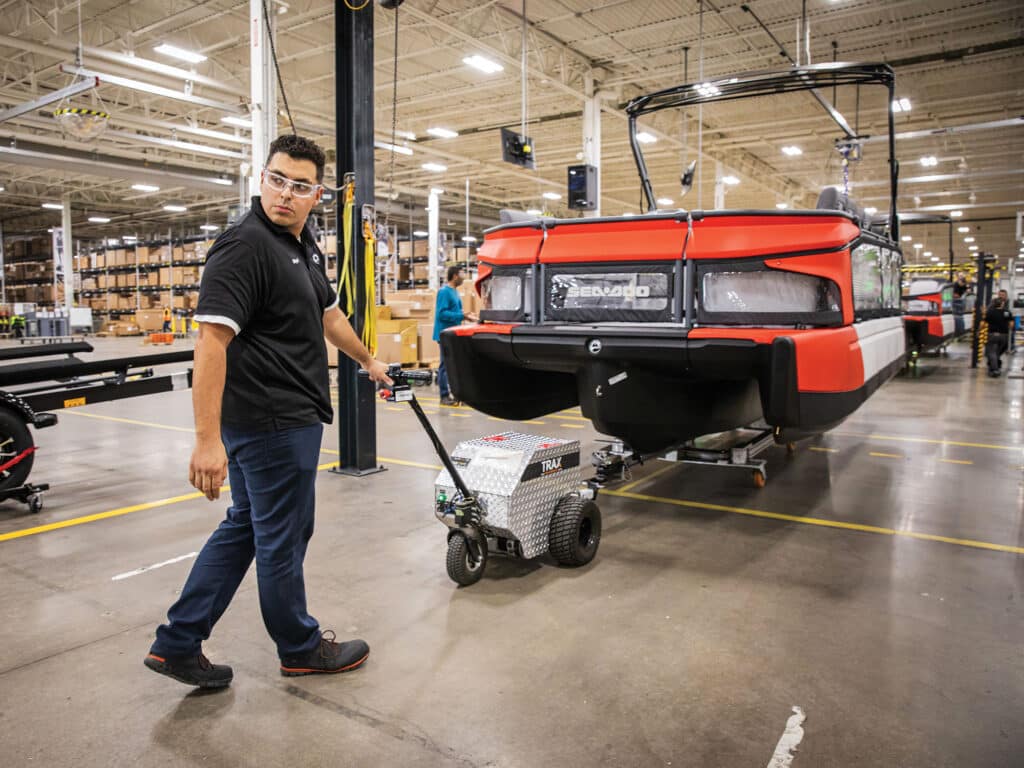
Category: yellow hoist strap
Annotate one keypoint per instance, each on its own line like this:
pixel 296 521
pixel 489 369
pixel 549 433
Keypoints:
pixel 369 276
pixel 346 276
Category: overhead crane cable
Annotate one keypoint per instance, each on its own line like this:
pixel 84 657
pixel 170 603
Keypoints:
pixel 394 126
pixel 277 69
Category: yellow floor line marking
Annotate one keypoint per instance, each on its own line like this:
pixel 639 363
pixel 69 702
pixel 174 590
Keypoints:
pixel 932 442
pixel 126 421
pixel 823 450
pixel 495 418
pixel 956 461
pixel 573 418
pixel 622 493
pixel 817 521
pixel 534 421
pixel 654 474
pixel 102 515
pixel 462 415
pixel 571 426
pixel 886 455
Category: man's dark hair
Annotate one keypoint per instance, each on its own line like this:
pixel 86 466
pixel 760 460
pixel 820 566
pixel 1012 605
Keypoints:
pixel 453 272
pixel 299 148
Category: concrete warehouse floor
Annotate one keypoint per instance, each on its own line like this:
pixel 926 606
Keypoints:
pixel 685 643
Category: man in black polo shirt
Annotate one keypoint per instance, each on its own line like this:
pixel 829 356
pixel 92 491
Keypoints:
pixel 260 394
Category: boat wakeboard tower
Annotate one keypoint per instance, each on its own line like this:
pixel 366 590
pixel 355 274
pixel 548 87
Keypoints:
pixel 675 324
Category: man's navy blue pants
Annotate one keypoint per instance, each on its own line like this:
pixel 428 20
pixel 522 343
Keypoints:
pixel 272 477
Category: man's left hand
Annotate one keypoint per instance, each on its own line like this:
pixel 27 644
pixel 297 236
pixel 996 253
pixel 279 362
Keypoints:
pixel 378 372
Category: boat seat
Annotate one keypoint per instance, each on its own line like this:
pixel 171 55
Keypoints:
pixel 831 199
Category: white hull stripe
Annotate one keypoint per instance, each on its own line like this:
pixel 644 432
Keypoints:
pixel 881 342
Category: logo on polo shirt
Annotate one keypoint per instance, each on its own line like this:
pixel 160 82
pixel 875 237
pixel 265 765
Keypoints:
pixel 295 261
pixel 316 258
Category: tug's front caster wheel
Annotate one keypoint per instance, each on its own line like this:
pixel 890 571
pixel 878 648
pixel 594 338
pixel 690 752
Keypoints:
pixel 760 480
pixel 465 568
pixel 35 503
pixel 575 531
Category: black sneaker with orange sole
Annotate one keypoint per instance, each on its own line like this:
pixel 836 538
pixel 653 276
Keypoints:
pixel 191 670
pixel 329 657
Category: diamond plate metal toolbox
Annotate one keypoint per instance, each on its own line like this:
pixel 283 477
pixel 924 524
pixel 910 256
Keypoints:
pixel 519 478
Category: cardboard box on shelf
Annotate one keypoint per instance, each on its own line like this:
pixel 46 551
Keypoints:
pixel 402 347
pixel 420 271
pixel 142 254
pixel 178 253
pixel 413 249
pixel 399 308
pixel 165 276
pixel 429 350
pixel 150 319
pixel 331 246
pixel 396 326
pixel 383 312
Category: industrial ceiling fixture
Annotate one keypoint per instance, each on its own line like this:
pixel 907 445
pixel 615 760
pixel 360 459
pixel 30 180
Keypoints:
pixel 82 123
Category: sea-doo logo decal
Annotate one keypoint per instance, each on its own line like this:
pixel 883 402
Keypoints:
pixel 609 291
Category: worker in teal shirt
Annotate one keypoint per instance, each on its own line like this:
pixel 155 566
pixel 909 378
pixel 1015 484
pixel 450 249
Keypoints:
pixel 447 314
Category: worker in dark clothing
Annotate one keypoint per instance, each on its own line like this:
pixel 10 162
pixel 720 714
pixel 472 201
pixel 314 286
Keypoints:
pixel 261 395
pixel 998 317
pixel 960 288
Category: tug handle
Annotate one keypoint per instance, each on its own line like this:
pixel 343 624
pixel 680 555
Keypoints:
pixel 400 375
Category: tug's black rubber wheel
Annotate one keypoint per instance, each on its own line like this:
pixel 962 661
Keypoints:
pixel 463 568
pixel 14 438
pixel 575 531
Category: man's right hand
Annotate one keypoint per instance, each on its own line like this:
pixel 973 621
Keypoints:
pixel 208 467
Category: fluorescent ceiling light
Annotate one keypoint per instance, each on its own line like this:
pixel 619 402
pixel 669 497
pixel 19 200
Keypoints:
pixel 110 240
pixel 442 133
pixel 929 161
pixel 436 191
pixel 901 105
pixel 409 135
pixel 906 238
pixel 732 181
pixel 420 233
pixel 241 122
pixel 468 239
pixel 534 212
pixel 208 227
pixel 146 187
pixel 963 229
pixel 871 210
pixel 792 151
pixel 707 89
pixel 628 213
pixel 934 258
pixel 180 53
pixel 222 181
pixel 53 206
pixel 972 248
pixel 929 253
pixel 646 138
pixel 434 167
pixel 483 64
pixel 956 214
pixel 968 239
pixel 393 147
pixel 99 219
pixel 176 208
pixel 782 206
pixel 1 187
pixel 129 238
pixel 551 196
pixel 666 201
pixel 919 245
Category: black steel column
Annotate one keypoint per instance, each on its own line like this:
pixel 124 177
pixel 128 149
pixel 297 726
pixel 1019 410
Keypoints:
pixel 353 62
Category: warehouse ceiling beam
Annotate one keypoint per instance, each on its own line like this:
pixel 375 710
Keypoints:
pixel 74 161
pixel 64 93
pixel 156 90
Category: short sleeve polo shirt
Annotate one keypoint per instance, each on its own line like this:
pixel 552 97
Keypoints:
pixel 272 291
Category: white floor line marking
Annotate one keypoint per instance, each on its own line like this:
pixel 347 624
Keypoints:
pixel 145 568
pixel 789 741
